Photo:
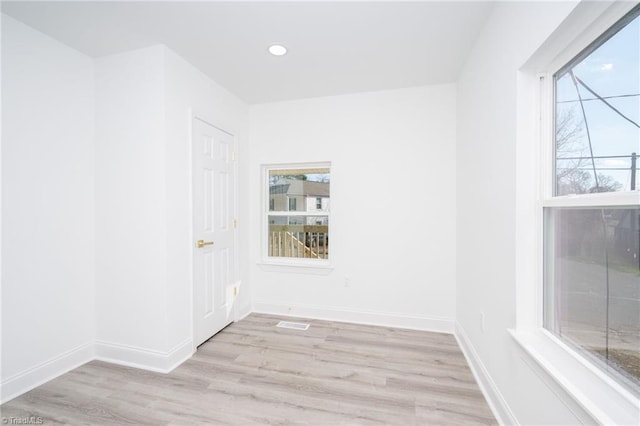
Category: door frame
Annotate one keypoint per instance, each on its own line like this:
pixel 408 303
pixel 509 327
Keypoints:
pixel 235 267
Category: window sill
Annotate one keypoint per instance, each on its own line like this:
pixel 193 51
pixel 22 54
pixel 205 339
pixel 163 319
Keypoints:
pixel 597 394
pixel 296 267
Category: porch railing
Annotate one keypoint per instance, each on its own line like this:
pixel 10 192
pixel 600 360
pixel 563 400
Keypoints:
pixel 300 241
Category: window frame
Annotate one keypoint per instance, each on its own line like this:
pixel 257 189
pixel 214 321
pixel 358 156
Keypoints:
pixel 290 264
pixel 585 389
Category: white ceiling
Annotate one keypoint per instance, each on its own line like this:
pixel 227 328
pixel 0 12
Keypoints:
pixel 334 47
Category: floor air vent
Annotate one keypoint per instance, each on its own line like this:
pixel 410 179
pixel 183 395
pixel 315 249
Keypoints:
pixel 293 325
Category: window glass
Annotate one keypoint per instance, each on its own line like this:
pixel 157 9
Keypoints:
pixel 298 218
pixel 299 236
pixel 592 284
pixel 597 119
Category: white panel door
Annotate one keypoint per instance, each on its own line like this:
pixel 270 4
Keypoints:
pixel 213 230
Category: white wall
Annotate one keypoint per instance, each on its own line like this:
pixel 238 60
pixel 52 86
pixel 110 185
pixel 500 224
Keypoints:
pixel 131 224
pixel 487 199
pixel 189 92
pixel 392 205
pixel 144 104
pixel 47 208
pixel 96 180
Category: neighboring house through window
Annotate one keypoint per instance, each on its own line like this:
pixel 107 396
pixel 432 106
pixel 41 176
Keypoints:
pixel 294 231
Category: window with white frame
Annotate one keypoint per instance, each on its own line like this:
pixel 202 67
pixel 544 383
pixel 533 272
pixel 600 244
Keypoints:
pixel 292 230
pixel 591 206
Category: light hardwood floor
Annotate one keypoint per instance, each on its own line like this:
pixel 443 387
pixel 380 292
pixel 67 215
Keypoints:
pixel 254 373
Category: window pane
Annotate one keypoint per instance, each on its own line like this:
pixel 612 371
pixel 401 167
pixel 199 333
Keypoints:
pixel 298 218
pixel 299 236
pixel 299 189
pixel 592 285
pixel 597 117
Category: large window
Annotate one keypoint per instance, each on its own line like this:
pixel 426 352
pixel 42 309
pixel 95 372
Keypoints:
pixel 298 217
pixel 591 212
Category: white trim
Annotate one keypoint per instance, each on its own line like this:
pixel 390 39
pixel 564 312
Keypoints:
pixel 297 266
pixel 583 388
pixel 242 313
pixel 191 115
pixel 236 234
pixel 146 359
pixel 37 375
pixel 489 389
pixel 545 132
pixel 179 354
pixel 318 213
pixel 597 200
pixel 385 319
pixel 131 356
pixel 589 21
pixel 528 213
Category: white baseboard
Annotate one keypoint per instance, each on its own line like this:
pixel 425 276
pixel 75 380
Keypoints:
pixel 242 313
pixel 492 394
pixel 35 376
pixel 386 319
pixel 179 354
pixel 146 359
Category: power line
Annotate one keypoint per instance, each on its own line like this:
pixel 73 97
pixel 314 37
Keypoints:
pixel 586 126
pixel 598 156
pixel 597 99
pixel 599 168
pixel 582 83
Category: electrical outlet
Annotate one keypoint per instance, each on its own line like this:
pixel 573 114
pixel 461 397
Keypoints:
pixel 347 281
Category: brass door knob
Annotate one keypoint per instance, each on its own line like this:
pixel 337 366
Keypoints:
pixel 202 243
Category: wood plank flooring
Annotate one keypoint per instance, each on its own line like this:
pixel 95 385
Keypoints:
pixel 254 373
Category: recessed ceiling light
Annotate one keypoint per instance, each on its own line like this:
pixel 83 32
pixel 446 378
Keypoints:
pixel 277 50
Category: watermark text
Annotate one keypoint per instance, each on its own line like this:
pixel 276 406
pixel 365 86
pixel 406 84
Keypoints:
pixel 28 420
